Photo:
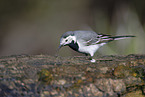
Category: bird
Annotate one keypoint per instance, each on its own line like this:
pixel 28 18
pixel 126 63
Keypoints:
pixel 87 42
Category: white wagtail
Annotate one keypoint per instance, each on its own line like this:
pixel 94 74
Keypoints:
pixel 87 42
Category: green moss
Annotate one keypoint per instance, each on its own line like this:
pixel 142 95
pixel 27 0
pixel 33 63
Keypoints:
pixel 122 71
pixel 77 84
pixel 139 72
pixel 137 93
pixel 45 76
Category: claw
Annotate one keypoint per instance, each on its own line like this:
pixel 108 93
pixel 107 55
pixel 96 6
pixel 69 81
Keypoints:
pixel 93 60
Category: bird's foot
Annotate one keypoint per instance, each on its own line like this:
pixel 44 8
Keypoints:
pixel 93 60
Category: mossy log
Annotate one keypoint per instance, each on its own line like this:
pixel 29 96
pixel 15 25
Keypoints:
pixel 48 76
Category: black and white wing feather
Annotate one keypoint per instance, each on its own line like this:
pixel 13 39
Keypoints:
pixel 103 39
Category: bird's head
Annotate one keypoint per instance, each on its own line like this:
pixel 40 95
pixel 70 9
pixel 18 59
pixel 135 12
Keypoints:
pixel 67 38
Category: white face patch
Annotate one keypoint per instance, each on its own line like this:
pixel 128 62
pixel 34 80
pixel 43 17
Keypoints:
pixel 67 40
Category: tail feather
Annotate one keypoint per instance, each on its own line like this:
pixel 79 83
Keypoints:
pixel 121 37
pixel 108 38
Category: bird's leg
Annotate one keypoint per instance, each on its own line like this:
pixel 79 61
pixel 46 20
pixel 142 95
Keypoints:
pixel 88 56
pixel 91 59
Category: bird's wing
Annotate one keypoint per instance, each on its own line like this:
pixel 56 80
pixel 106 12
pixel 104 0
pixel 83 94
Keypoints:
pixel 92 38
pixel 100 38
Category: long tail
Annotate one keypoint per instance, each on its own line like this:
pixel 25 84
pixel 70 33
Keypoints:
pixel 121 37
pixel 108 38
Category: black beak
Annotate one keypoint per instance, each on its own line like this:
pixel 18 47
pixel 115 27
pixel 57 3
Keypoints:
pixel 59 47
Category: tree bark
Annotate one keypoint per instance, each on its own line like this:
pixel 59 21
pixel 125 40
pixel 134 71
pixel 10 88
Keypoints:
pixel 47 76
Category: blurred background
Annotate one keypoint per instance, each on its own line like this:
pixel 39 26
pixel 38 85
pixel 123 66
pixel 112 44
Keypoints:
pixel 35 26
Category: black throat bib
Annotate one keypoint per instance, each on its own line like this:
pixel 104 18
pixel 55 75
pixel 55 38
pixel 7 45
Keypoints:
pixel 74 46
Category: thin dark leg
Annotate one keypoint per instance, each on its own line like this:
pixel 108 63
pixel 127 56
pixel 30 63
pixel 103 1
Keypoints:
pixel 86 54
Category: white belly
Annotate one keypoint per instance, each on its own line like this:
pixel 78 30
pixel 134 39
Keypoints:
pixel 89 49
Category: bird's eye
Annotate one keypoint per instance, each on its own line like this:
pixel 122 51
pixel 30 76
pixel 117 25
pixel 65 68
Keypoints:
pixel 66 40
